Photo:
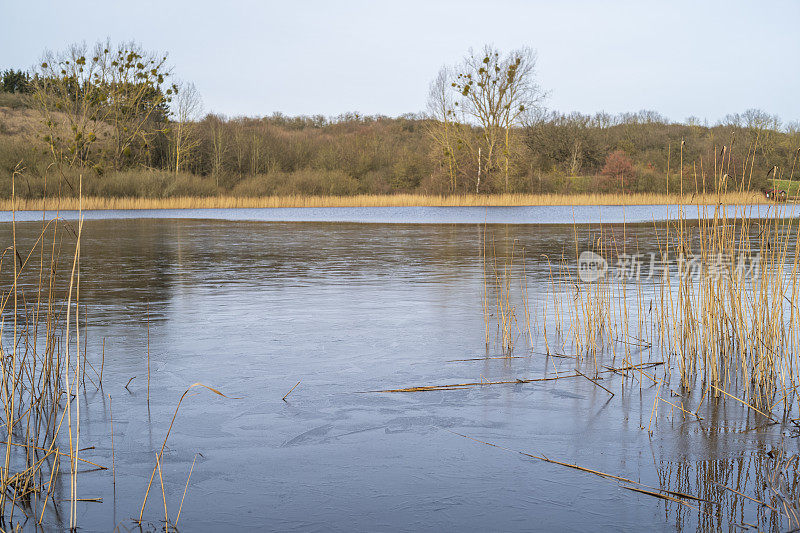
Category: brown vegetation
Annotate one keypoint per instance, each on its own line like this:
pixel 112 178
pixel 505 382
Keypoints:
pixel 375 200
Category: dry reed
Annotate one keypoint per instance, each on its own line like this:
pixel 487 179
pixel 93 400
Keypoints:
pixel 389 200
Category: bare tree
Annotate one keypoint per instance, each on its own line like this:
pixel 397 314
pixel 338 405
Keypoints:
pixel 219 144
pixel 575 158
pixel 101 104
pixel 240 142
pixel 494 92
pixel 188 108
pixel 441 127
pixel 70 104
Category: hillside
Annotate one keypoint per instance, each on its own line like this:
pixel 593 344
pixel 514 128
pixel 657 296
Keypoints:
pixel 355 155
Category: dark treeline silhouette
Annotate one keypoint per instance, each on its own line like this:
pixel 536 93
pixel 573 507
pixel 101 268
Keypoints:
pixel 15 81
pixel 352 154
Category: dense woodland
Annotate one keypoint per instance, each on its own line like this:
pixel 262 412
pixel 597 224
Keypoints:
pixel 135 133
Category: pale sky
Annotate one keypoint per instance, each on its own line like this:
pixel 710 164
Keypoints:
pixel 679 58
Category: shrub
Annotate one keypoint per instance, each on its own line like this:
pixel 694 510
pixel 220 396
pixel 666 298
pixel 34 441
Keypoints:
pixel 619 172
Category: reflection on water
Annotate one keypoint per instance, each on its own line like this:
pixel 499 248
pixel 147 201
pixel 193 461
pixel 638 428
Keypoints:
pixel 251 308
pixel 743 490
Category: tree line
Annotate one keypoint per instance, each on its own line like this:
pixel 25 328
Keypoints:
pixel 116 115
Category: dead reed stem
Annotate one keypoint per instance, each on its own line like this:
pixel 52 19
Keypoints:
pixel 290 391
pixel 166 437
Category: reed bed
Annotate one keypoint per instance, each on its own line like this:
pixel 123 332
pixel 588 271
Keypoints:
pixel 388 200
pixel 46 372
pixel 731 317
pixel 42 377
pixel 723 309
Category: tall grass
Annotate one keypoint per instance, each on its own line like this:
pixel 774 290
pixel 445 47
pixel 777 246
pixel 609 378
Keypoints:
pixel 389 200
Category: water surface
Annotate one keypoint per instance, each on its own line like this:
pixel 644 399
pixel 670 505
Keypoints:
pixel 581 214
pixel 252 307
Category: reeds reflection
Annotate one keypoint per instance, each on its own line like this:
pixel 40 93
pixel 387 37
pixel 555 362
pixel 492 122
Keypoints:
pixel 751 490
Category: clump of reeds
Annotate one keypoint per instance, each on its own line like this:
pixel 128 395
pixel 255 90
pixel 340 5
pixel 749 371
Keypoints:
pixel 42 375
pixel 502 296
pixel 45 370
pixel 728 310
pixel 735 310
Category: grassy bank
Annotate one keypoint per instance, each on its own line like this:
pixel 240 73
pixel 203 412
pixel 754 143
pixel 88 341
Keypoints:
pixel 389 200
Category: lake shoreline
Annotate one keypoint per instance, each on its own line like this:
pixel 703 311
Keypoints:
pixel 388 200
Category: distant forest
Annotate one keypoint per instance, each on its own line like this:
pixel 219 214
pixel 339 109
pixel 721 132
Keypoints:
pixel 114 115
